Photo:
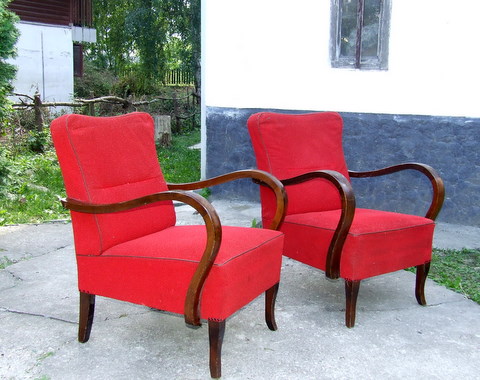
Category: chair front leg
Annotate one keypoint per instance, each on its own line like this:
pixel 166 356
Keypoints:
pixel 422 272
pixel 87 310
pixel 351 293
pixel 270 299
pixel 216 331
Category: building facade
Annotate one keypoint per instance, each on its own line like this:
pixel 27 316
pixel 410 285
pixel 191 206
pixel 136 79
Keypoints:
pixel 49 49
pixel 407 91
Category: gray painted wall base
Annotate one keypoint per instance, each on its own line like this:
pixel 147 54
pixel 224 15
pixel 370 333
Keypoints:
pixel 372 141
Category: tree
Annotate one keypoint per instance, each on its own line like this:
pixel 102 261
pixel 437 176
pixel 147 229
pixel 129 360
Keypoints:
pixel 147 37
pixel 8 38
pixel 189 30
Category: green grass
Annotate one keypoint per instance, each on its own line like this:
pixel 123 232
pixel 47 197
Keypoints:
pixel 31 184
pixel 458 270
pixel 180 163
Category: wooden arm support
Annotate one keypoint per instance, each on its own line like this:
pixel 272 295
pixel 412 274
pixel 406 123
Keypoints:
pixel 347 197
pixel 214 237
pixel 437 183
pixel 258 176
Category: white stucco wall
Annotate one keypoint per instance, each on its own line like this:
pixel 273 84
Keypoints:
pixel 44 61
pixel 275 54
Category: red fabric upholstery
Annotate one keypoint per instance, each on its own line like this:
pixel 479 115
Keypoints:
pixel 107 160
pixel 140 255
pixel 378 242
pixel 289 145
pixel 155 270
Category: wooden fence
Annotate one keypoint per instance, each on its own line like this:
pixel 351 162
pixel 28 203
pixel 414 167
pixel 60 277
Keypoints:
pixel 179 77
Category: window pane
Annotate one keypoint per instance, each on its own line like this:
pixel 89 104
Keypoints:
pixel 371 28
pixel 348 28
pixel 373 52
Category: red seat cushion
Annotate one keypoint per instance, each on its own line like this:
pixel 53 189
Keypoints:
pixel 155 270
pixel 378 241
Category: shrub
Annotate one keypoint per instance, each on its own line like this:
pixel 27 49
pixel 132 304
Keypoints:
pixel 132 83
pixel 95 82
pixel 4 168
pixel 8 38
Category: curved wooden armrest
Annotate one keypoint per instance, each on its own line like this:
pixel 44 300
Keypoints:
pixel 214 237
pixel 258 176
pixel 437 183
pixel 347 197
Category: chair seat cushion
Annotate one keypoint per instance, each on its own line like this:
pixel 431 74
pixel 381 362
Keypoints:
pixel 155 270
pixel 378 241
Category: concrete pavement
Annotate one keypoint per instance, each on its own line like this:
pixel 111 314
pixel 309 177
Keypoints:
pixel 393 338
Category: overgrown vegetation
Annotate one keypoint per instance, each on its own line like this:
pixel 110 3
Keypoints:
pixel 30 179
pixel 31 183
pixel 146 38
pixel 30 186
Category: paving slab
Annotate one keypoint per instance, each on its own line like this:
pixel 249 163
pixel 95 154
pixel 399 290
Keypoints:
pixel 393 338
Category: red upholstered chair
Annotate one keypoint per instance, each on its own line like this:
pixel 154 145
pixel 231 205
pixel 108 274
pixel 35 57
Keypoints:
pixel 322 226
pixel 128 245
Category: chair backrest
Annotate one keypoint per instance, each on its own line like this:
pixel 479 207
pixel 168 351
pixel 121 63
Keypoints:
pixel 287 145
pixel 107 160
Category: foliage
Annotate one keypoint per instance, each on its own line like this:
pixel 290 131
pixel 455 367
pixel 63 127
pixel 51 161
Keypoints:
pixel 31 184
pixel 30 189
pixel 132 83
pixel 21 132
pixel 145 38
pixel 8 38
pixel 4 168
pixel 95 82
pixel 36 141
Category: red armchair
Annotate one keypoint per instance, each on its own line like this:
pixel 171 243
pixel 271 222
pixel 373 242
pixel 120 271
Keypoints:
pixel 126 241
pixel 322 227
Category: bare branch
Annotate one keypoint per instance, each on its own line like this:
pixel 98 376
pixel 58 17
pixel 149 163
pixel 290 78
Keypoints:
pixel 23 96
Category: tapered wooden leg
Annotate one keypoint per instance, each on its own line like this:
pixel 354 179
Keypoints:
pixel 216 331
pixel 422 272
pixel 270 298
pixel 87 309
pixel 351 293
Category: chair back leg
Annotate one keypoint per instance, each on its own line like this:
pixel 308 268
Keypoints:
pixel 270 299
pixel 422 272
pixel 216 331
pixel 87 310
pixel 351 293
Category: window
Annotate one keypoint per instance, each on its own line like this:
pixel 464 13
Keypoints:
pixel 77 60
pixel 360 30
